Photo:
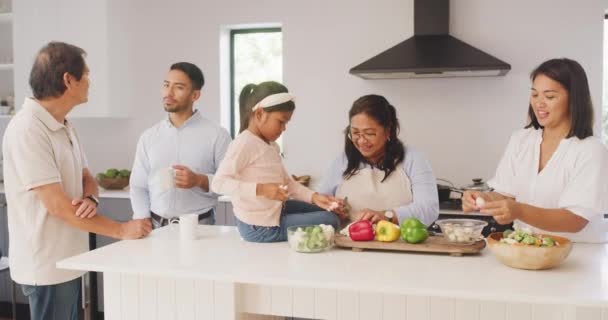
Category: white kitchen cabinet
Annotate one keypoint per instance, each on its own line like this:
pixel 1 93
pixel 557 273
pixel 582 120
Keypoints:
pixel 224 216
pixel 83 23
pixel 6 51
pixel 5 280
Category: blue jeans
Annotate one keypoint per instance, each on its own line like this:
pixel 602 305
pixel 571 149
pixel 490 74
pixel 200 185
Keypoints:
pixel 54 302
pixel 294 213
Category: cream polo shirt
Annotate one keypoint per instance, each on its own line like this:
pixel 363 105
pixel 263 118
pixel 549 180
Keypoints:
pixel 38 151
pixel 575 179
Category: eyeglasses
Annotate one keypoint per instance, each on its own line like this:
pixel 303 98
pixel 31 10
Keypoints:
pixel 367 136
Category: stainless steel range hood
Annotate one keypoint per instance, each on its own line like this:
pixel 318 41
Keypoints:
pixel 431 52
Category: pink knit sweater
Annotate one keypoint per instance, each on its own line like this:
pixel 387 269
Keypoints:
pixel 249 161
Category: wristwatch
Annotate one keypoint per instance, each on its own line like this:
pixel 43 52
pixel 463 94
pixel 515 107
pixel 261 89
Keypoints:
pixel 389 215
pixel 94 199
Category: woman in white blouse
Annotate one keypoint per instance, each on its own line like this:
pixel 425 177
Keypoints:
pixel 382 178
pixel 553 176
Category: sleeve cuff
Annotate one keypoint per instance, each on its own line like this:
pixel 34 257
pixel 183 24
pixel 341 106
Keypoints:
pixel 43 182
pixel 588 214
pixel 248 189
pixel 209 181
pixel 141 215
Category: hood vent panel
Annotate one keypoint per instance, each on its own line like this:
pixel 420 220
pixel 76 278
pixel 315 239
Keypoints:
pixel 431 52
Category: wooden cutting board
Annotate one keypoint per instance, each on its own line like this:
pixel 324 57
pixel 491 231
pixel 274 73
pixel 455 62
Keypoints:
pixel 434 244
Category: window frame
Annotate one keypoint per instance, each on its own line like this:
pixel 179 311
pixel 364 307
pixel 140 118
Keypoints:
pixel 233 33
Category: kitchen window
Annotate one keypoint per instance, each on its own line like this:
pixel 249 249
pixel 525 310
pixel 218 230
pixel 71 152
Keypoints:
pixel 256 55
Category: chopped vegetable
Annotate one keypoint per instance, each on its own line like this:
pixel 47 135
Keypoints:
pixel 527 238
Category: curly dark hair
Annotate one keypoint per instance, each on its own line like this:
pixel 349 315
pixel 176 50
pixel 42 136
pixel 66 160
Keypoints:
pixel 378 108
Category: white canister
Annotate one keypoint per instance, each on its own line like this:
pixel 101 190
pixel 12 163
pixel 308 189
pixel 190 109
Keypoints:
pixel 187 226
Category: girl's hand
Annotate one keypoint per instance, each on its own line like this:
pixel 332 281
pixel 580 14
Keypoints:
pixel 272 191
pixel 504 211
pixel 330 203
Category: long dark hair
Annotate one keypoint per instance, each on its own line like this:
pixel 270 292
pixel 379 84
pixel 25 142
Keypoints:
pixel 378 108
pixel 571 75
pixel 254 93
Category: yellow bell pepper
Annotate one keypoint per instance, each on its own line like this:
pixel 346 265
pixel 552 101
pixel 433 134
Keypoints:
pixel 387 231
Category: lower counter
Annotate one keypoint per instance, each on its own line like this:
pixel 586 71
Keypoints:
pixel 219 276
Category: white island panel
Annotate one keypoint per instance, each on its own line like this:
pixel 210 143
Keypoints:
pixel 219 276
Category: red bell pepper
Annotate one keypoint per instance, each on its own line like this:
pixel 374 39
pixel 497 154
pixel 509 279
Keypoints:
pixel 361 231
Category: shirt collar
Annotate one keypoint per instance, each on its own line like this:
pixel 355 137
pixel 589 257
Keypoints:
pixel 43 115
pixel 194 117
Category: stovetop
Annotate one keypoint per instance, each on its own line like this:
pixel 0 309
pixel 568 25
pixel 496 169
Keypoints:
pixel 452 204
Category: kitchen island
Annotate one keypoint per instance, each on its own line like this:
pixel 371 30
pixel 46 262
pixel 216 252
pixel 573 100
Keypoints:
pixel 219 276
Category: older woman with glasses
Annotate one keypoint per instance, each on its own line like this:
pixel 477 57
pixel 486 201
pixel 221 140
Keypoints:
pixel 380 177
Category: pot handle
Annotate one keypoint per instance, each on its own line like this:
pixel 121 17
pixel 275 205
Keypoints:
pixel 457 190
pixel 446 181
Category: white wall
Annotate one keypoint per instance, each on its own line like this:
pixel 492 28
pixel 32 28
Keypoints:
pixel 461 124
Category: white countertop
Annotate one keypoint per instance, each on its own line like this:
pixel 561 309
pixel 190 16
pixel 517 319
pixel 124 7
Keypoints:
pixel 220 254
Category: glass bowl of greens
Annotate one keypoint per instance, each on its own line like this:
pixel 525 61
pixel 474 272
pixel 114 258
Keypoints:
pixel 310 238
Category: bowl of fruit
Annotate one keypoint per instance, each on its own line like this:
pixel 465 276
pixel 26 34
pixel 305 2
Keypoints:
pixel 525 250
pixel 312 238
pixel 114 179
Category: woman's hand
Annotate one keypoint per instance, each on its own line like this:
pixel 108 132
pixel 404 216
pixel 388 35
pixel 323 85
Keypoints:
pixel 272 191
pixel 470 200
pixel 330 203
pixel 504 211
pixel 371 215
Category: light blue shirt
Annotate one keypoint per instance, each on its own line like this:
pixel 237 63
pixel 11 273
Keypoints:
pixel 425 201
pixel 199 144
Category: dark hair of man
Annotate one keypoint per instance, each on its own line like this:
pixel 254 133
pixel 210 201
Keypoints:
pixel 52 62
pixel 571 75
pixel 254 93
pixel 192 71
pixel 379 109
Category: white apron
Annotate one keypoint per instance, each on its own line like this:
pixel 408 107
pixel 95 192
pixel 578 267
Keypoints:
pixel 366 191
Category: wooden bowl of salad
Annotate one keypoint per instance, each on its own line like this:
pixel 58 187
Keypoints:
pixel 528 251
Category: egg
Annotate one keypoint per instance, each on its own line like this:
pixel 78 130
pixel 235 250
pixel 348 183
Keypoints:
pixel 480 202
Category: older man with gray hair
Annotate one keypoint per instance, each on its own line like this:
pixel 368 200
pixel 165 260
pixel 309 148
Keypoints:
pixel 51 195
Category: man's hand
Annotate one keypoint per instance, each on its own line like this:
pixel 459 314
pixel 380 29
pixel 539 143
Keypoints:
pixel 185 178
pixel 87 208
pixel 135 229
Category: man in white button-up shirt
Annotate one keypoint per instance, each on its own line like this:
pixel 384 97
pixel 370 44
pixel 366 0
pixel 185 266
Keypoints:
pixel 177 158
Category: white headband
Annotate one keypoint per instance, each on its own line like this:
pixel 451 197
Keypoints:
pixel 273 100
